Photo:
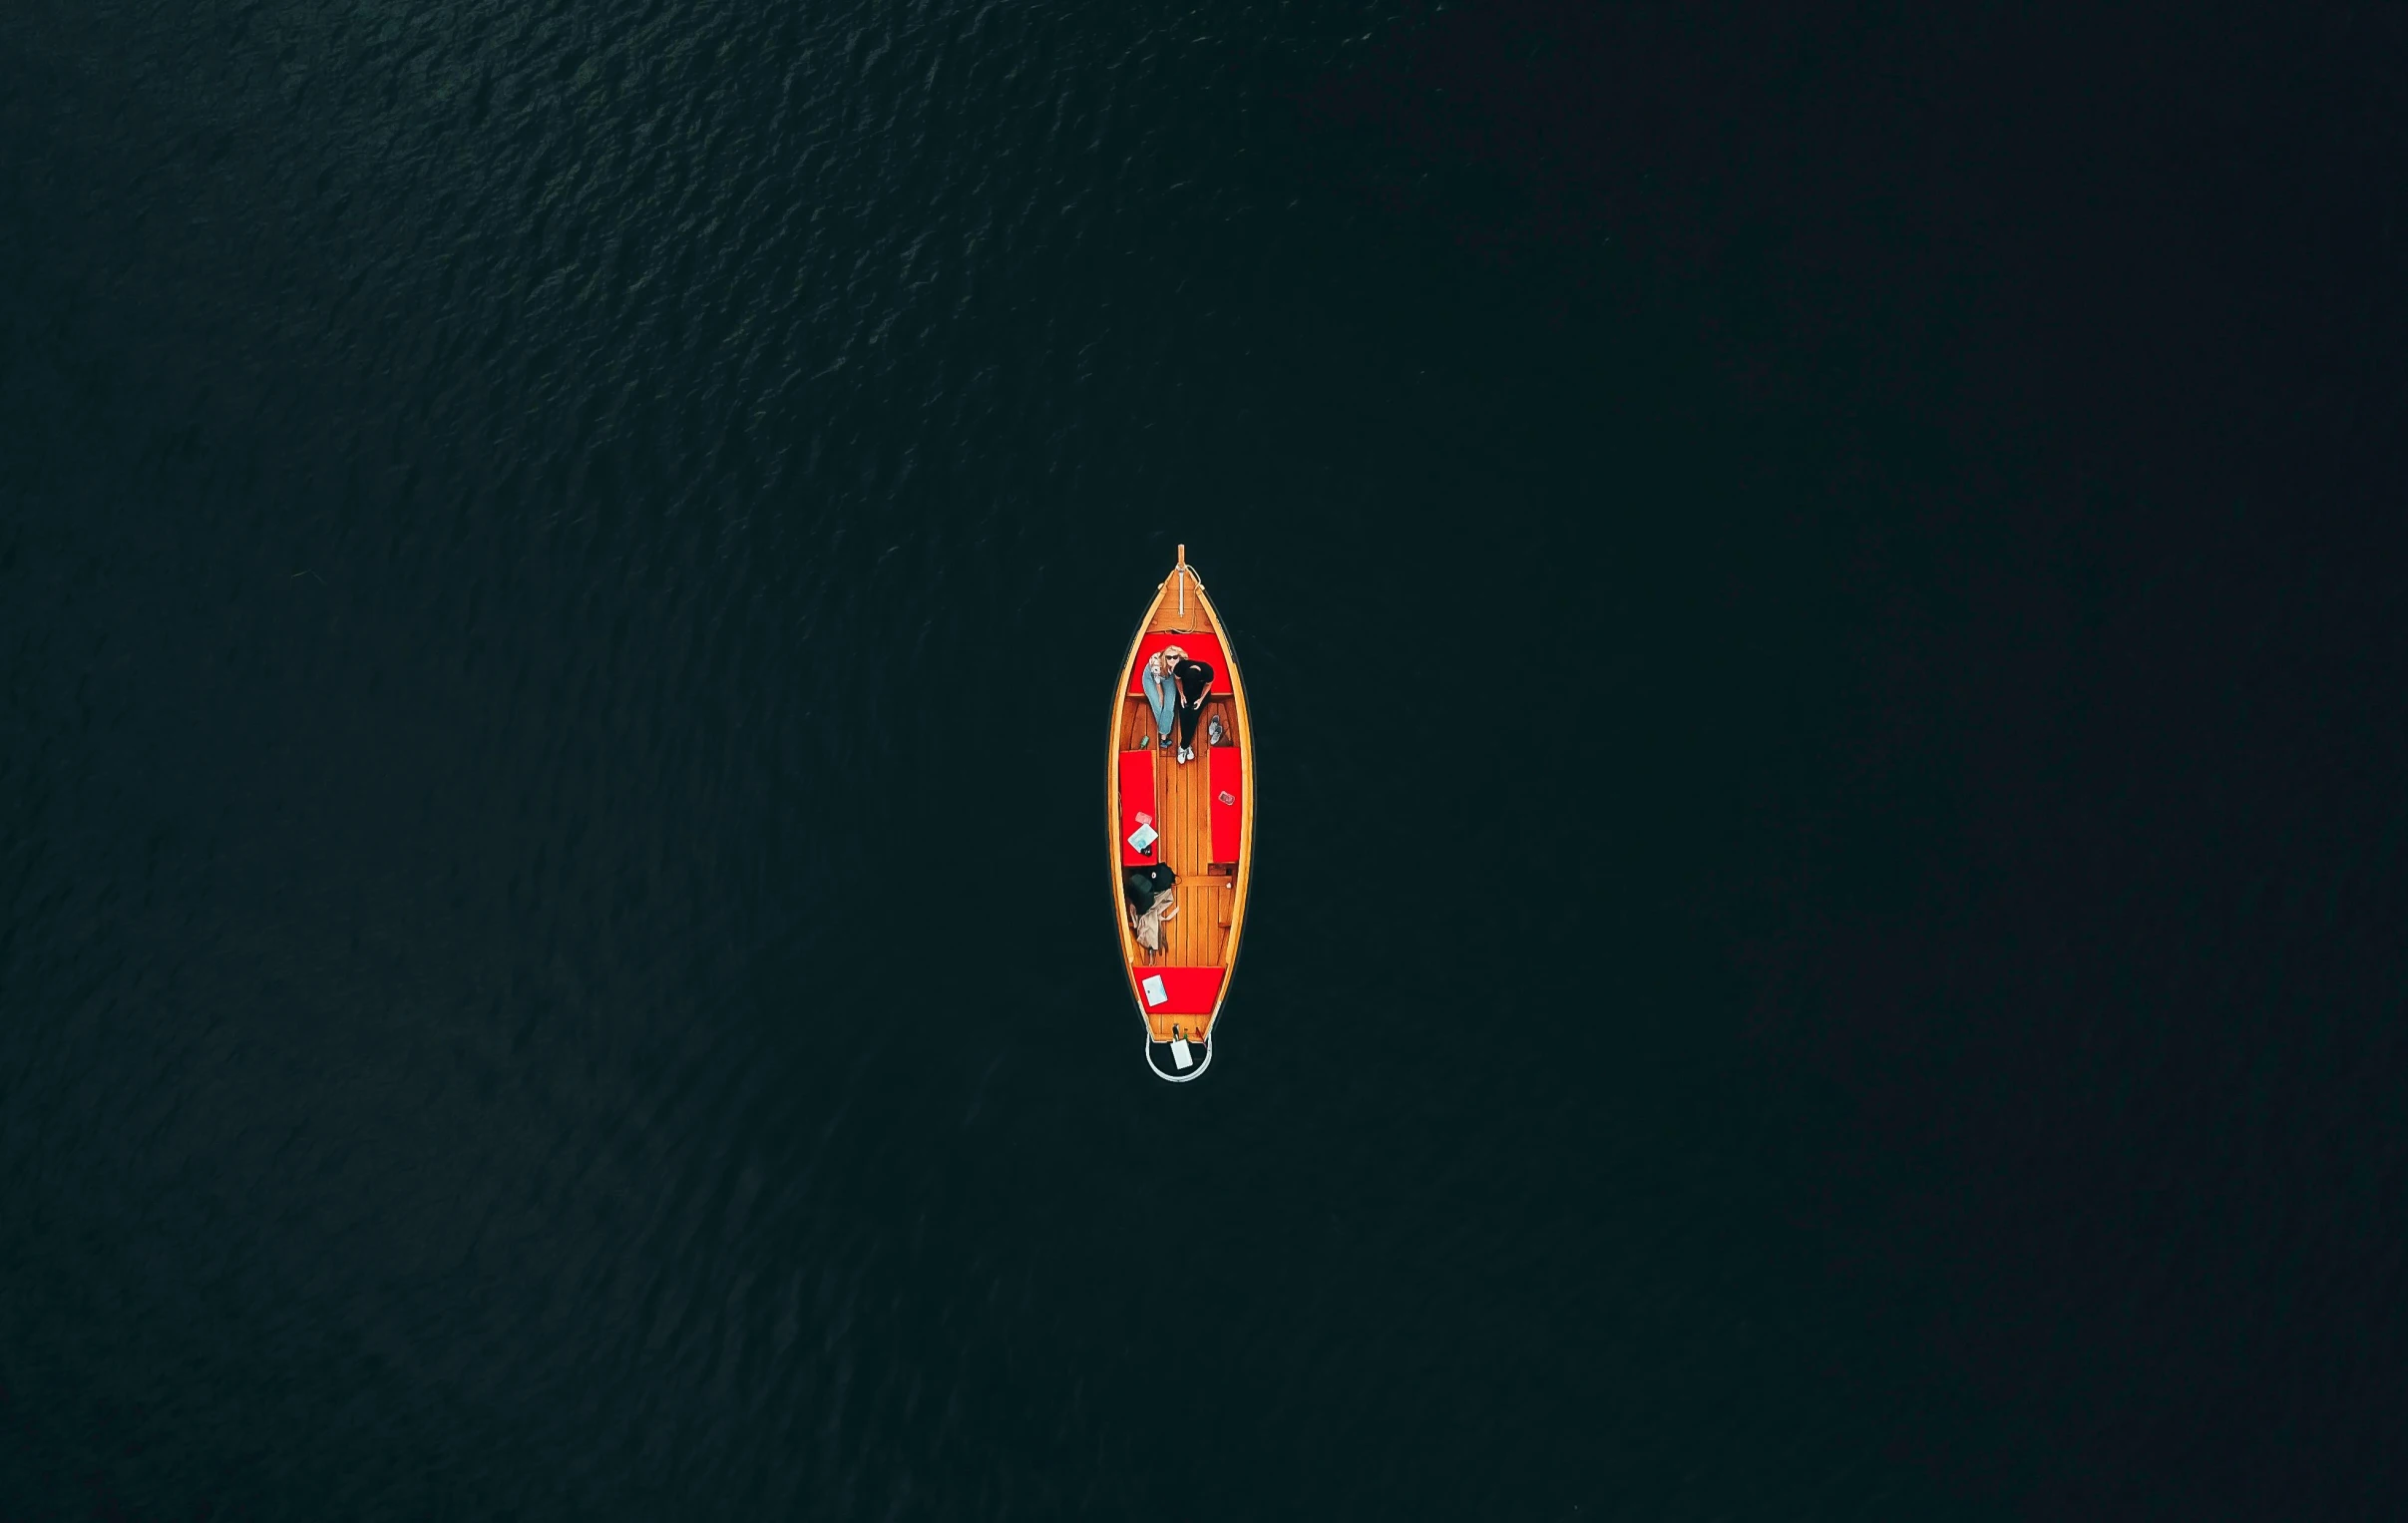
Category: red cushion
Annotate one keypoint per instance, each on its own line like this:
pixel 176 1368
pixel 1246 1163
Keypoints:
pixel 1199 647
pixel 1138 797
pixel 1192 991
pixel 1228 783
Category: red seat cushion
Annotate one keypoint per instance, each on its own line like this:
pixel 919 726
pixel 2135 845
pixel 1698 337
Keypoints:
pixel 1190 990
pixel 1199 647
pixel 1138 797
pixel 1228 799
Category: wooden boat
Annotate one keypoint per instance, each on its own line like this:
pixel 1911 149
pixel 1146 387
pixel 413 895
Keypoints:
pixel 1201 817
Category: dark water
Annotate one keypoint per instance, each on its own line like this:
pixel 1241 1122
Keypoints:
pixel 560 565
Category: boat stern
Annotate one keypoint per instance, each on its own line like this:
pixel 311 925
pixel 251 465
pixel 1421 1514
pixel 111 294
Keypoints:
pixel 1179 1059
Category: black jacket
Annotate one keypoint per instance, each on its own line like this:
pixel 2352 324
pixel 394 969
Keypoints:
pixel 1195 680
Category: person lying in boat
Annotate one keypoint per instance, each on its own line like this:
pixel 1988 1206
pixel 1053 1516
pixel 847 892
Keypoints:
pixel 1150 902
pixel 1194 680
pixel 1159 692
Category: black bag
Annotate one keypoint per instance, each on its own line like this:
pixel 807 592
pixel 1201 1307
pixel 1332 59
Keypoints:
pixel 1145 885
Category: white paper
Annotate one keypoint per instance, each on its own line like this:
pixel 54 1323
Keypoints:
pixel 1140 838
pixel 1155 993
pixel 1178 1049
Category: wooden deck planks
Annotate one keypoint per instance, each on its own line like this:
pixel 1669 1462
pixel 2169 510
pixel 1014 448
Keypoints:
pixel 1195 936
pixel 1207 902
pixel 1168 616
pixel 1183 802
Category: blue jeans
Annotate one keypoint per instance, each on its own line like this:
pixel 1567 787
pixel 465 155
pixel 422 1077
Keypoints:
pixel 1162 693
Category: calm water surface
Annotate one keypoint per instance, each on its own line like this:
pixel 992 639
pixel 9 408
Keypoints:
pixel 561 565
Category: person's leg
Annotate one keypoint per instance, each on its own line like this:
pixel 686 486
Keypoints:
pixel 1158 693
pixel 1188 718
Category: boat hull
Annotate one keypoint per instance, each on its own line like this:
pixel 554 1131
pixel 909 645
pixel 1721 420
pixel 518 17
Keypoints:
pixel 1196 817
